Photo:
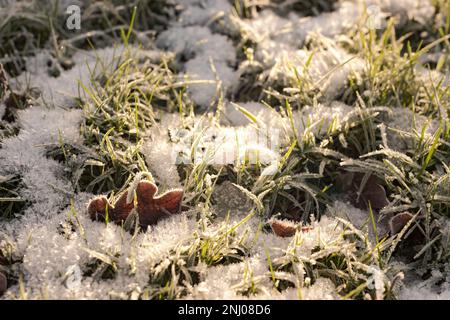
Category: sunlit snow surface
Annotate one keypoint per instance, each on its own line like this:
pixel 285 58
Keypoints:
pixel 209 55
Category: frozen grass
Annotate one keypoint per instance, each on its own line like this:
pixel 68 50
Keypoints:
pixel 29 25
pixel 361 170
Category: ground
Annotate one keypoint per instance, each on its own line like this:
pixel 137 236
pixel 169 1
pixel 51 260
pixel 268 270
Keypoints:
pixel 310 141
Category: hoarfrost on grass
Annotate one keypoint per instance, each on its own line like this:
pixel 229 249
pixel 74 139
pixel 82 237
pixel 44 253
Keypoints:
pixel 63 89
pixel 209 57
pixel 408 122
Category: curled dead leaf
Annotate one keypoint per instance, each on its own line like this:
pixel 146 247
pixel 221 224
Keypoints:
pixel 286 228
pixel 371 192
pixel 399 221
pixel 150 208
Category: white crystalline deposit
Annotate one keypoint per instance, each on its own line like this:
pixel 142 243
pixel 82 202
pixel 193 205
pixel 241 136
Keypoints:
pixel 436 286
pixel 49 255
pixel 258 142
pixel 322 289
pixel 405 10
pixel 310 119
pixel 255 268
pixel 280 40
pixel 160 158
pixel 420 292
pixel 275 34
pixel 61 91
pixel 47 124
pixel 319 119
pixel 408 125
pixel 361 219
pixel 211 143
pixel 280 48
pixel 204 12
pixel 24 154
pixel 209 57
pixel 328 69
pixel 432 79
pixel 233 115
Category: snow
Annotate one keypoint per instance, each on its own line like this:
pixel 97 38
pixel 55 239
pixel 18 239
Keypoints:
pixel 207 59
pixel 410 122
pixel 229 276
pixel 416 292
pixel 208 141
pixel 61 91
pixel 432 78
pixel 25 154
pixel 279 48
pixel 276 35
pixel 48 255
pixel 235 138
pixel 48 123
pixel 359 218
pixel 210 56
pixel 280 40
pixel 315 119
pixel 318 119
pixel 206 68
pixel 418 10
pixel 322 289
pixel 234 117
pixel 199 12
pixel 160 159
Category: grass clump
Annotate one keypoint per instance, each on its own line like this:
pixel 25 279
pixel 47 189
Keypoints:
pixel 121 107
pixel 184 266
pixel 393 75
pixel 357 268
pixel 28 26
